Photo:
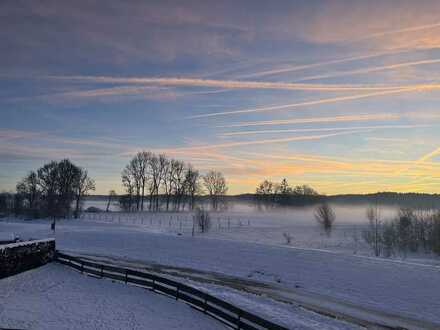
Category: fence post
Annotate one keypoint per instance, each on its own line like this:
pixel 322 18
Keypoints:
pixel 239 320
pixel 102 271
pixel 205 305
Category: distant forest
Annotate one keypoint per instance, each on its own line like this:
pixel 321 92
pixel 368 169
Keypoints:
pixel 413 200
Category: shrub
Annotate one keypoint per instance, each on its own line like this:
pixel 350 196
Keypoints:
pixel 288 238
pixel 325 216
pixel 202 220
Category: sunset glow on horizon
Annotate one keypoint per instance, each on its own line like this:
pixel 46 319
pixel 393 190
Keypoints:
pixel 340 95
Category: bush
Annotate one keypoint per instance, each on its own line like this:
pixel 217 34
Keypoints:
pixel 288 238
pixel 325 216
pixel 93 209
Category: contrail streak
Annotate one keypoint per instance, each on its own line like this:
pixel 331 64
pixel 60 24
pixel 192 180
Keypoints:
pixel 230 84
pixel 259 142
pixel 370 70
pixel 319 64
pixel 347 118
pixel 323 129
pixel 308 103
pixel 420 161
pixel 429 156
pixel 409 29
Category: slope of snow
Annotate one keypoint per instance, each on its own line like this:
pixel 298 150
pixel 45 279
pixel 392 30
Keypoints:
pixel 56 297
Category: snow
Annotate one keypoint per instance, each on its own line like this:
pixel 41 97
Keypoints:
pixel 314 266
pixel 14 245
pixel 246 223
pixel 57 297
pixel 291 316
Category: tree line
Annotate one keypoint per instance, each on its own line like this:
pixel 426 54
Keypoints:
pixel 54 190
pixel 272 193
pixel 168 183
pixel 151 181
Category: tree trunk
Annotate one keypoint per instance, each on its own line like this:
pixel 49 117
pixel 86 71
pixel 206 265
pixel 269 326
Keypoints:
pixel 78 198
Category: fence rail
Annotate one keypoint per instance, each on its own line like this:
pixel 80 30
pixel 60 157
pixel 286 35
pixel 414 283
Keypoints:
pixel 223 311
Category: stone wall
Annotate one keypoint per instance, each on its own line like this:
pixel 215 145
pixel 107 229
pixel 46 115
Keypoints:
pixel 19 257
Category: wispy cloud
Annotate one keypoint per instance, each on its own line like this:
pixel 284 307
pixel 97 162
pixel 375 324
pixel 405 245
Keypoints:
pixel 370 70
pixel 260 142
pixel 229 84
pixel 383 139
pixel 312 120
pixel 327 129
pixel 13 134
pixel 293 68
pixel 400 31
pixel 315 102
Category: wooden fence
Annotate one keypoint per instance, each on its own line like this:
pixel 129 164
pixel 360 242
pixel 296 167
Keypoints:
pixel 223 311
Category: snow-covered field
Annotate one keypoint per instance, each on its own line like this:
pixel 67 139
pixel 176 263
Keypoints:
pixel 252 248
pixel 243 222
pixel 56 297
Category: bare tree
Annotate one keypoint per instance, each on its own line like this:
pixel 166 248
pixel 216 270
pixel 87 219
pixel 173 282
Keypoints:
pixel 168 181
pixel 326 217
pixel 48 182
pixel 142 163
pixel 57 182
pixel 28 188
pixel 158 174
pixel 111 195
pixel 155 170
pixel 134 174
pixel 161 173
pixel 84 184
pixel 68 178
pixel 215 184
pixel 372 237
pixel 128 183
pixel 178 183
pixel 192 184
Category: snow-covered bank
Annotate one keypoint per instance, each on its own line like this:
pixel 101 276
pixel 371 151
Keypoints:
pixel 56 297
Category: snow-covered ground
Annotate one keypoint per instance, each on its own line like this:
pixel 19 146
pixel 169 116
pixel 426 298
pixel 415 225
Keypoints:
pixel 245 223
pixel 57 297
pixel 255 250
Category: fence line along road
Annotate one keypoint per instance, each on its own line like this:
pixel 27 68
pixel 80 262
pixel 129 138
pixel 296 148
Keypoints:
pixel 223 311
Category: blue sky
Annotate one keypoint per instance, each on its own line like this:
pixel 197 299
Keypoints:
pixel 341 95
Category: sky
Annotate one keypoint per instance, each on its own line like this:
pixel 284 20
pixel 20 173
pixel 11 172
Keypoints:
pixel 340 95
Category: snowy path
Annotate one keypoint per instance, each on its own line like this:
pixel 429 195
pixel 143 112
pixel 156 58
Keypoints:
pixel 326 305
pixel 57 297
